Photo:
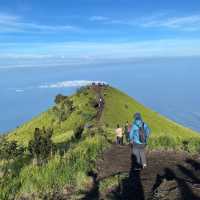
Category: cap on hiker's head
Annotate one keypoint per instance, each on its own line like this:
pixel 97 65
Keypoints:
pixel 137 116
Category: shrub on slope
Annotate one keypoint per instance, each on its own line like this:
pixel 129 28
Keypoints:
pixel 80 113
pixel 69 171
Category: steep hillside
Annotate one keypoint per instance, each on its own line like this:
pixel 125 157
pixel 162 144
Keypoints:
pixel 119 108
pixel 70 170
pixel 82 112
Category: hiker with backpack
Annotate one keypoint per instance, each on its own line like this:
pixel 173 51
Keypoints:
pixel 101 102
pixel 119 135
pixel 127 129
pixel 138 139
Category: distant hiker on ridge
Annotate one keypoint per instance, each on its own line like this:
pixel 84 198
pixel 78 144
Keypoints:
pixel 127 130
pixel 101 102
pixel 138 138
pixel 119 135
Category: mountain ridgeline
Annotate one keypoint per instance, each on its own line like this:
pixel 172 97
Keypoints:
pixel 54 155
pixel 81 108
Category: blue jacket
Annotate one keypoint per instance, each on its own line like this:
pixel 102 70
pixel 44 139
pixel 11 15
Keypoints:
pixel 134 134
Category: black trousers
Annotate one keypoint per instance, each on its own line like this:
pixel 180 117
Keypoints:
pixel 119 140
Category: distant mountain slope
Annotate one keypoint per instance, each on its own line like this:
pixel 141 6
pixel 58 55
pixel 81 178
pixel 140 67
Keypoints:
pixel 119 108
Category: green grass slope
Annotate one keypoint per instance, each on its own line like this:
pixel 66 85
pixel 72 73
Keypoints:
pixel 63 130
pixel 119 108
pixel 67 174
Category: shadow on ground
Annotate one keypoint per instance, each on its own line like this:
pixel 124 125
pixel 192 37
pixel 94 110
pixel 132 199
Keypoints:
pixel 170 181
pixel 129 188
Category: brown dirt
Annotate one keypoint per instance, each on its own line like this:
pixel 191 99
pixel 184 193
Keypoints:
pixel 169 176
pixel 179 169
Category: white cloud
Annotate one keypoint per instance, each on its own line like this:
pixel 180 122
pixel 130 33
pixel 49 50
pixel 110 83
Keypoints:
pixel 69 84
pixel 161 20
pixel 98 18
pixel 19 90
pixel 62 84
pixel 46 28
pixel 107 20
pixel 185 23
pixel 13 24
pixel 7 19
pixel 80 53
pixel 89 50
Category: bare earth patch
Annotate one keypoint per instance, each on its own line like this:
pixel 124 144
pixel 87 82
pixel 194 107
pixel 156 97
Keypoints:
pixel 169 175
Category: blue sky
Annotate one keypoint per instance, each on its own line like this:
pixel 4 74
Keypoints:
pixel 49 32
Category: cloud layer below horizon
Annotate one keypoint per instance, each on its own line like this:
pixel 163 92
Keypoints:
pixel 61 84
pixel 70 84
pixel 78 53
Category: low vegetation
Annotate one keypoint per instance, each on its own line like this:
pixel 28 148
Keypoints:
pixel 63 108
pixel 41 146
pixel 56 151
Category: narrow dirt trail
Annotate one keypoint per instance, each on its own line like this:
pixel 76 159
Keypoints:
pixel 101 102
pixel 182 168
pixel 177 171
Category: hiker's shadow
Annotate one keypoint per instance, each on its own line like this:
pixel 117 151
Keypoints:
pixel 194 164
pixel 94 192
pixel 131 187
pixel 183 187
pixel 185 178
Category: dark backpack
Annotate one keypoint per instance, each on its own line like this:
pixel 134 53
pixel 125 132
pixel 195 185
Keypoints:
pixel 142 136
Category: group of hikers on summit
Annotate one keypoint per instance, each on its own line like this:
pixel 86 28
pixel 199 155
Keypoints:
pixel 136 135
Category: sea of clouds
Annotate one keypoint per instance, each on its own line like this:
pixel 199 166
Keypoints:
pixel 69 84
pixel 62 84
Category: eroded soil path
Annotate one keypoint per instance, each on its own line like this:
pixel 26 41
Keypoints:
pixel 179 169
pixel 100 99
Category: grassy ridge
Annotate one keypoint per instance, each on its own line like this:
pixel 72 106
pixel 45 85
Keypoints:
pixel 71 170
pixel 66 171
pixel 166 134
pixel 63 130
pixel 119 108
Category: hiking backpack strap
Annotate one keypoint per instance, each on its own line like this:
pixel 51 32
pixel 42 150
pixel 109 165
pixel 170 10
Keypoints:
pixel 142 136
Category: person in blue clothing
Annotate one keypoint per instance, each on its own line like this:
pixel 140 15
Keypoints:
pixel 138 138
